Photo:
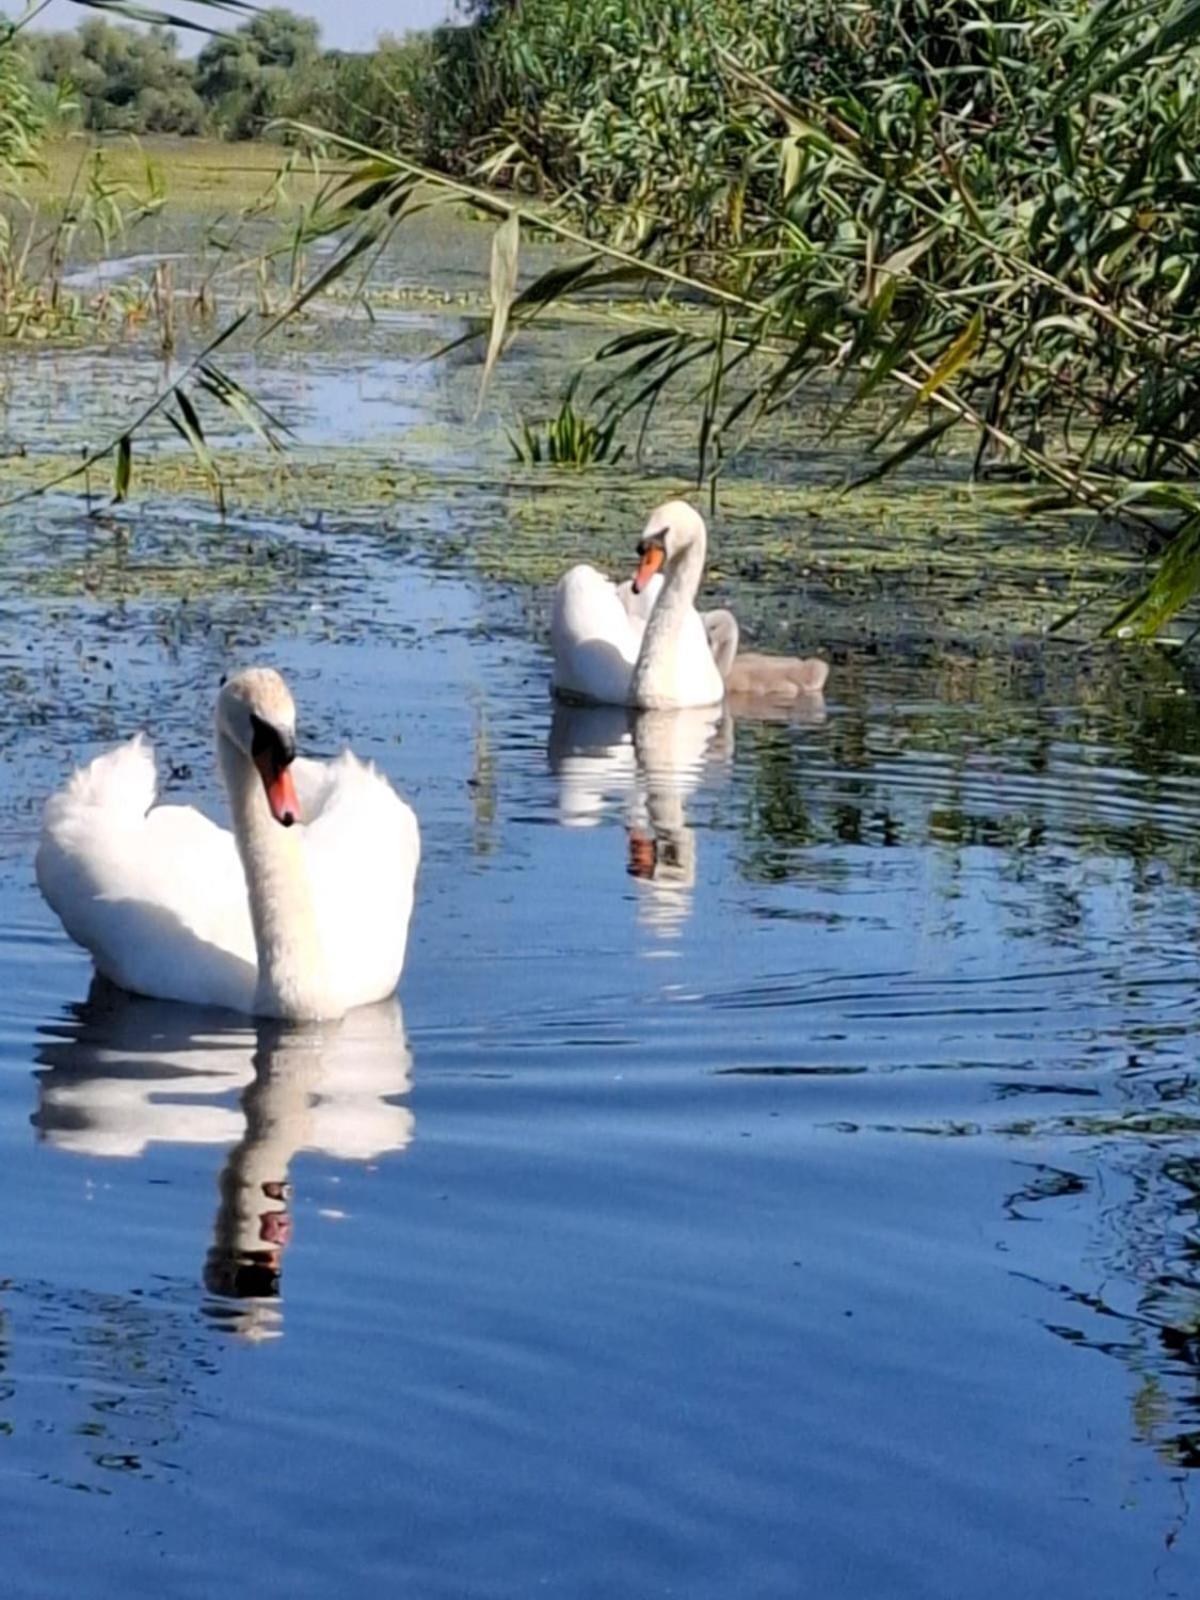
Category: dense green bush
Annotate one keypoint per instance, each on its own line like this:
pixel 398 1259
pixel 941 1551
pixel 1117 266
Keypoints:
pixel 259 73
pixel 990 203
pixel 122 79
pixel 893 173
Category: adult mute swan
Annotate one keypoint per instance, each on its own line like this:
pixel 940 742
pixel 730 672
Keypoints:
pixel 301 912
pixel 607 652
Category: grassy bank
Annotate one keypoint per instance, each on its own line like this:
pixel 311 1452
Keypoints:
pixel 197 175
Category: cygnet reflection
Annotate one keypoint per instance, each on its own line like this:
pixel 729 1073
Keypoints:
pixel 126 1073
pixel 646 764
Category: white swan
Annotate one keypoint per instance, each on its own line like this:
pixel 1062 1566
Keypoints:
pixel 607 653
pixel 300 922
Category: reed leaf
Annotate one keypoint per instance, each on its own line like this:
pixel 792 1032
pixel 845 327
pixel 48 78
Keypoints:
pixel 506 244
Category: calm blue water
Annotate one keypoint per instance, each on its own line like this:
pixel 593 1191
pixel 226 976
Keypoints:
pixel 779 1174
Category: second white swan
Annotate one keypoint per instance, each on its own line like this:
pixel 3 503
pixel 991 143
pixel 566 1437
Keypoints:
pixel 609 651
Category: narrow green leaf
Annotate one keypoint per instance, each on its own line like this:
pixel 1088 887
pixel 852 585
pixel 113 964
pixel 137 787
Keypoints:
pixel 187 425
pixel 151 14
pixel 557 281
pixel 336 268
pixel 192 422
pixel 1173 585
pixel 910 447
pixel 903 260
pixel 506 244
pixel 1180 29
pixel 243 404
pixel 634 341
pixel 954 358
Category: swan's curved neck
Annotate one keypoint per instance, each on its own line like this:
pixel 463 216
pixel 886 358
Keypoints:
pixel 681 581
pixel 292 979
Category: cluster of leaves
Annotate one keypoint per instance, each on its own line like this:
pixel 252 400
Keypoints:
pixel 258 73
pixel 568 439
pixel 33 301
pixel 121 79
pixel 134 80
pixel 21 120
pixel 99 207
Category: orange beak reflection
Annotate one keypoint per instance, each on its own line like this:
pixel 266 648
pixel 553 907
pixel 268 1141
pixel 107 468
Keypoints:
pixel 652 560
pixel 643 855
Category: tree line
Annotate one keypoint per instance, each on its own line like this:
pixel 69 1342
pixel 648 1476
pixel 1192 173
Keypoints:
pixel 115 79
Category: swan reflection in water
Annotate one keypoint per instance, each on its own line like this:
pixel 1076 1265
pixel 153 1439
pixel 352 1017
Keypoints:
pixel 126 1073
pixel 647 764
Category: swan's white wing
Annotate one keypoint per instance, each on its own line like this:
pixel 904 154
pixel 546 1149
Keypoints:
pixel 156 894
pixel 594 638
pixel 362 845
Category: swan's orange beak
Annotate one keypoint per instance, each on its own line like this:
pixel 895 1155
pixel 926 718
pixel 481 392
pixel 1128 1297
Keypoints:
pixel 652 560
pixel 276 775
pixel 273 750
pixel 281 797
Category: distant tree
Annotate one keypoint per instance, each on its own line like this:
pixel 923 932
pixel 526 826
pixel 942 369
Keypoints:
pixel 123 78
pixel 252 75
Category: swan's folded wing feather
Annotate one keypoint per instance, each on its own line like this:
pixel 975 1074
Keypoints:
pixel 594 637
pixel 363 847
pixel 155 893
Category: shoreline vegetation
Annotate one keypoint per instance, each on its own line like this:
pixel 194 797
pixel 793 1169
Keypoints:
pixel 979 217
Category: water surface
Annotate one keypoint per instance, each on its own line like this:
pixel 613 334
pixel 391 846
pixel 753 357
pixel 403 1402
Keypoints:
pixel 778 1172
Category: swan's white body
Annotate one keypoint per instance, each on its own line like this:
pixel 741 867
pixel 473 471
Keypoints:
pixel 298 922
pixel 649 649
